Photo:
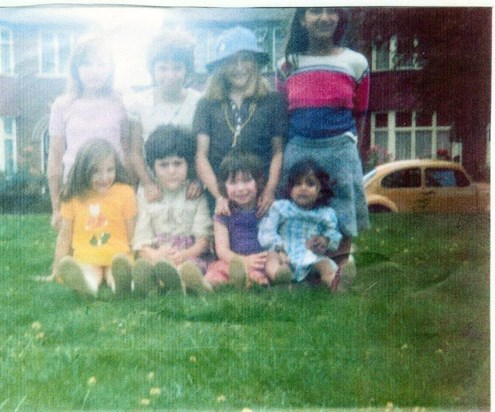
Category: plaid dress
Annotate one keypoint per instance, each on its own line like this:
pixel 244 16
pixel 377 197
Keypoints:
pixel 289 226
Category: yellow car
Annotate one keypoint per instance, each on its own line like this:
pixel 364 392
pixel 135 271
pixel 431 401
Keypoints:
pixel 424 186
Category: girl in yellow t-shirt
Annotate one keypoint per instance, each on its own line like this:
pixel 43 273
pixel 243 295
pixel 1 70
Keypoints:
pixel 98 217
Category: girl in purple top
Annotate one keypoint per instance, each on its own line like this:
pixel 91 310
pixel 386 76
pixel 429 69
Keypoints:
pixel 242 259
pixel 89 109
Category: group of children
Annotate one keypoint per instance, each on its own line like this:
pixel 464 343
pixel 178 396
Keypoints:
pixel 264 218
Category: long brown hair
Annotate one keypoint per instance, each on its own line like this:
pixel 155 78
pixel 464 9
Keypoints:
pixel 87 160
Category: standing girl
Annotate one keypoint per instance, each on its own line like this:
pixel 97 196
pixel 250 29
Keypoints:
pixel 236 235
pixel 327 88
pixel 239 111
pixel 304 226
pixel 89 109
pixel 175 229
pixel 168 101
pixel 97 213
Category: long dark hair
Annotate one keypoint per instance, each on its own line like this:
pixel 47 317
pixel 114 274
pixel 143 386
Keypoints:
pixel 298 38
pixel 87 160
pixel 306 167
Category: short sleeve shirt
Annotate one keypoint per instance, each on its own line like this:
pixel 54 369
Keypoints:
pixel 99 224
pixel 214 118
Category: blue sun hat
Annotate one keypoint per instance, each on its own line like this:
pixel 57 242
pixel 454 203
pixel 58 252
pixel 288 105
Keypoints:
pixel 235 40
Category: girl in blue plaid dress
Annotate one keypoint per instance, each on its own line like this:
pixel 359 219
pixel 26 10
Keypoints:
pixel 303 226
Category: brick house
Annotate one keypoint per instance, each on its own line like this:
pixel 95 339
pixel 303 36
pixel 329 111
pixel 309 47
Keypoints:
pixel 35 44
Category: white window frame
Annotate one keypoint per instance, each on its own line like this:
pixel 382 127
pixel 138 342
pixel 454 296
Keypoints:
pixel 10 44
pixel 8 137
pixel 394 55
pixel 59 69
pixel 413 129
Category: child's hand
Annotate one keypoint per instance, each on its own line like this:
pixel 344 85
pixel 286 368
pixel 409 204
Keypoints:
pixel 222 207
pixel 152 192
pixel 194 190
pixel 256 261
pixel 317 244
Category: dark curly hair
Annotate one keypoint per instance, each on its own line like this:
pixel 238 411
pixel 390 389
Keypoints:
pixel 306 167
pixel 168 140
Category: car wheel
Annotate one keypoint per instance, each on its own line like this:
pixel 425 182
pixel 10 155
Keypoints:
pixel 378 209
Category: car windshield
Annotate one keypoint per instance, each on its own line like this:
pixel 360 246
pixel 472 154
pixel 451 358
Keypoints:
pixel 369 175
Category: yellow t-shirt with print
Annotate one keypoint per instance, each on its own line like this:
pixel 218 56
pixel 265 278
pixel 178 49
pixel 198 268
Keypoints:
pixel 99 230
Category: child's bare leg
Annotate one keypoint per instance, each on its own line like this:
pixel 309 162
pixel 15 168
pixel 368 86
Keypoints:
pixel 277 267
pixel 341 255
pixel 326 271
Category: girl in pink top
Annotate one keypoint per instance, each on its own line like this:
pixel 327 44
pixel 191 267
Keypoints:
pixel 89 109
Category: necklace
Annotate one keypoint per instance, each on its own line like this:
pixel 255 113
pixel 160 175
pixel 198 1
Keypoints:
pixel 236 131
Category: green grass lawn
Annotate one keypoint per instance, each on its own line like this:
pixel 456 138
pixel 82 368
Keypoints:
pixel 412 332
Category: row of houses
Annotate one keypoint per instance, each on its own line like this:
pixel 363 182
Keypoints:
pixel 408 116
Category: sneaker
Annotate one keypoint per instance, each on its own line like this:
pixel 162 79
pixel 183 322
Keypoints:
pixel 122 275
pixel 73 277
pixel 193 279
pixel 143 278
pixel 167 274
pixel 238 273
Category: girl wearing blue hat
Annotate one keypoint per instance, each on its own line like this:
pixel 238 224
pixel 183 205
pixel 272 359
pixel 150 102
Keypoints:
pixel 239 112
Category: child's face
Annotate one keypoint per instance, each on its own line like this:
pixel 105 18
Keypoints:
pixel 103 176
pixel 241 189
pixel 320 22
pixel 240 71
pixel 306 191
pixel 95 72
pixel 169 75
pixel 171 172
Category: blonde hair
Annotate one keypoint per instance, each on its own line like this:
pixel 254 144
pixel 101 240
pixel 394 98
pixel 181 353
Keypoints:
pixel 218 87
pixel 89 156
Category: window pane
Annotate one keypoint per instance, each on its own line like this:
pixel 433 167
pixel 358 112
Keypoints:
pixel 423 144
pixel 8 125
pixel 5 59
pixel 64 52
pixel 381 140
pixel 9 156
pixel 403 119
pixel 423 119
pixel 382 57
pixel 443 140
pixel 403 145
pixel 403 178
pixel 440 178
pixel 381 120
pixel 47 54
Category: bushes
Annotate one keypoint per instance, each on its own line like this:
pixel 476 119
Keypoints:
pixel 24 193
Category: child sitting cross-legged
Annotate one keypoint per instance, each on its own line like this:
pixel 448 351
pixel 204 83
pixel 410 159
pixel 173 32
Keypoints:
pixel 242 260
pixel 172 234
pixel 303 226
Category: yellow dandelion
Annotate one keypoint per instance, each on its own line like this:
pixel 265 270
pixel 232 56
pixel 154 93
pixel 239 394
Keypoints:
pixel 150 376
pixel 155 391
pixel 36 325
pixel 92 381
pixel 247 410
pixel 221 398
pixel 145 402
pixel 192 359
pixel 40 335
